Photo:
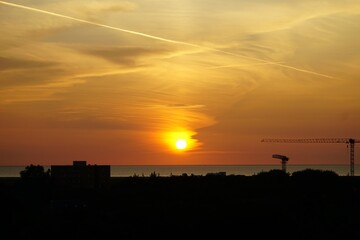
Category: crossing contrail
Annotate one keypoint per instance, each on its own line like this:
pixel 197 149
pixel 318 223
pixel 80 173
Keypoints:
pixel 166 39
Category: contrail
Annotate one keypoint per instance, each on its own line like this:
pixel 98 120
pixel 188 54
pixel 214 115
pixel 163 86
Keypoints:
pixel 165 39
pixel 98 24
pixel 243 65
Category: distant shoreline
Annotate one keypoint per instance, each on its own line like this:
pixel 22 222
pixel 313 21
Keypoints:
pixel 168 170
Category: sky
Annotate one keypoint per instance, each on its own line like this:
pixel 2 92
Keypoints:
pixel 119 82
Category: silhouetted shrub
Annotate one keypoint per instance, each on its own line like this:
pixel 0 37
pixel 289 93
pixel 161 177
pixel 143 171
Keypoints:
pixel 274 173
pixel 314 173
pixel 217 174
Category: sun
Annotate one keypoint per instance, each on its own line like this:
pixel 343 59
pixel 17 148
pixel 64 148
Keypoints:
pixel 180 141
pixel 180 144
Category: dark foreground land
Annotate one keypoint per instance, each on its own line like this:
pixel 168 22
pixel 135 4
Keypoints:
pixel 184 207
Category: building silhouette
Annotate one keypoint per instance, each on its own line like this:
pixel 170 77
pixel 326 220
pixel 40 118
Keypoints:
pixel 80 175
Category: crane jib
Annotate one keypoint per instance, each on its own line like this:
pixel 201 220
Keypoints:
pixel 350 141
pixel 313 140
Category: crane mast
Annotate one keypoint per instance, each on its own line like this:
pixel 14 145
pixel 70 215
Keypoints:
pixel 349 141
pixel 283 158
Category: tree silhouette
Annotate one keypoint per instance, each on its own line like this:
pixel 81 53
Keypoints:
pixel 154 174
pixel 34 172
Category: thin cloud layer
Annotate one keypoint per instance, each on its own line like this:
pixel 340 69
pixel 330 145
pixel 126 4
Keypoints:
pixel 124 55
pixel 62 79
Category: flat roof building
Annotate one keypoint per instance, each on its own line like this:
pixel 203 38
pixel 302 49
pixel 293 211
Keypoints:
pixel 81 175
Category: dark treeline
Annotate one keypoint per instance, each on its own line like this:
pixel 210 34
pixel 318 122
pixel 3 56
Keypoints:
pixel 309 204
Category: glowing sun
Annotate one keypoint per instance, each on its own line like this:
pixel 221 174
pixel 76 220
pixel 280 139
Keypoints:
pixel 180 144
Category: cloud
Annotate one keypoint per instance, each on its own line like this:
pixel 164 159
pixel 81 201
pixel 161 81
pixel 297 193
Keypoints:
pixel 57 73
pixel 187 43
pixel 31 75
pixel 90 9
pixel 32 25
pixel 15 63
pixel 128 56
pixel 96 8
pixel 186 106
pixel 36 72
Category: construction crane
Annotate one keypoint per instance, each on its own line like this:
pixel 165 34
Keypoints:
pixel 283 158
pixel 349 141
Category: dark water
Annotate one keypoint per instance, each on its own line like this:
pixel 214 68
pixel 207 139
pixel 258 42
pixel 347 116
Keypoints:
pixel 167 170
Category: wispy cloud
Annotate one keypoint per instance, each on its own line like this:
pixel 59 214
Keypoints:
pixel 226 73
pixel 165 39
pixel 124 55
pixel 179 106
pixel 14 63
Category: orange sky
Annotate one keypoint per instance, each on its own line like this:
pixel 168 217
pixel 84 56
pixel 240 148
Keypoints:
pixel 118 82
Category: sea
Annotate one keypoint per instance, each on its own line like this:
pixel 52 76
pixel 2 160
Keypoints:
pixel 199 170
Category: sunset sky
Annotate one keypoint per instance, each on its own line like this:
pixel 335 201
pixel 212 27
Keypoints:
pixel 119 82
